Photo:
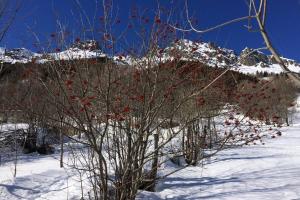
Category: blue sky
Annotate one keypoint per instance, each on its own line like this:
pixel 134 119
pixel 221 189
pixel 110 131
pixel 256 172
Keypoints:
pixel 283 23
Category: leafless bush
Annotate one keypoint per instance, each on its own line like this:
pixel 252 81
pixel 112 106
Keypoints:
pixel 127 117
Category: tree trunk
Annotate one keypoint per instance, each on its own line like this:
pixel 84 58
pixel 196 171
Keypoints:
pixel 61 149
pixel 61 138
pixel 30 142
pixel 153 172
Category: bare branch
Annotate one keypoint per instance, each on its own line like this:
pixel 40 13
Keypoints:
pixel 261 21
pixel 193 28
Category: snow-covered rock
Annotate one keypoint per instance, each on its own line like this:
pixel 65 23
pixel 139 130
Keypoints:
pixel 250 57
pixel 249 61
pixel 17 55
pixel 208 53
pixel 79 50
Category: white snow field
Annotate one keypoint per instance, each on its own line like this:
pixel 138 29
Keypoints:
pixel 38 177
pixel 264 172
pixel 270 171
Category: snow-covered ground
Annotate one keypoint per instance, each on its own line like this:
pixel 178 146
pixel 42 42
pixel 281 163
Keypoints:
pixel 270 171
pixel 264 172
pixel 38 177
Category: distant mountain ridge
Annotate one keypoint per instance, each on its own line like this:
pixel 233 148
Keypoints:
pixel 248 61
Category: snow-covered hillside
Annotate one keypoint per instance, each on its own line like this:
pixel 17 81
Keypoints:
pixel 269 171
pixel 79 50
pixel 18 55
pixel 248 61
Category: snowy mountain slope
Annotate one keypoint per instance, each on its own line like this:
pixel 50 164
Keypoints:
pixel 208 53
pixel 18 55
pixel 272 68
pixel 248 61
pixel 76 53
pixel 79 50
